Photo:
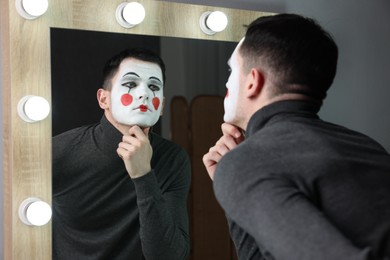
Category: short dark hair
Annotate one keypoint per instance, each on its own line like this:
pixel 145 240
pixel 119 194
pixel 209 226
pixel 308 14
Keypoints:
pixel 300 53
pixel 112 65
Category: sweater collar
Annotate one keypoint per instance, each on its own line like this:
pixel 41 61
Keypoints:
pixel 107 136
pixel 260 118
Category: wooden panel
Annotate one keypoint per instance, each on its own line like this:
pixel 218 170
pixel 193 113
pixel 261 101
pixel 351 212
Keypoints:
pixel 197 128
pixel 210 236
pixel 7 165
pixel 27 149
pixel 26 71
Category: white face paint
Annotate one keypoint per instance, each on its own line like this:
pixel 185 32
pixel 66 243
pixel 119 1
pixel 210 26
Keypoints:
pixel 232 85
pixel 137 93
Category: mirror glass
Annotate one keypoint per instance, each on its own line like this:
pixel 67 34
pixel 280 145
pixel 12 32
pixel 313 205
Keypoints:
pixel 194 67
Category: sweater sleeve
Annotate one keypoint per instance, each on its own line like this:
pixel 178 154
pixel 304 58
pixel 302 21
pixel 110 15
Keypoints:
pixel 246 246
pixel 280 219
pixel 163 215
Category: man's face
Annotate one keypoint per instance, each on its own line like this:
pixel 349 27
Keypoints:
pixel 233 86
pixel 137 93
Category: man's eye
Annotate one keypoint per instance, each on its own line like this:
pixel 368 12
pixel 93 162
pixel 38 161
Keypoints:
pixel 129 84
pixel 154 87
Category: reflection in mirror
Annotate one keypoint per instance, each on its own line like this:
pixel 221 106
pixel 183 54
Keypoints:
pixel 194 68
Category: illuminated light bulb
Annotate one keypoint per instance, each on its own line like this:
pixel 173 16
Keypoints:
pixel 31 9
pixel 213 22
pixel 34 212
pixel 130 14
pixel 217 21
pixel 33 108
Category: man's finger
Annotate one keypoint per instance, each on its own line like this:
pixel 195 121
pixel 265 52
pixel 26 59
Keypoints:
pixel 228 129
pixel 137 132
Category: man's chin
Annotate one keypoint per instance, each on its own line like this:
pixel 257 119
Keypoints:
pixel 141 124
pixel 227 119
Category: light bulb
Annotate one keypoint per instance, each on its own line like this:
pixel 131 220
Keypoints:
pixel 34 212
pixel 134 13
pixel 213 22
pixel 217 21
pixel 33 108
pixel 130 14
pixel 31 9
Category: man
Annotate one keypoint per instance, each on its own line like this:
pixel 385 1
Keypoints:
pixel 120 190
pixel 297 187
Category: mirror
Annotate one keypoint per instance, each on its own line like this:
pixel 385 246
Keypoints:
pixel 26 71
pixel 194 67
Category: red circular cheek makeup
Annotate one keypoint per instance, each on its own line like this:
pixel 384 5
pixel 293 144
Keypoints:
pixel 126 99
pixel 156 102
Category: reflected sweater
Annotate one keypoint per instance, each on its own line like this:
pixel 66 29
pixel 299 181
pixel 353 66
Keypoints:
pixel 99 212
pixel 301 188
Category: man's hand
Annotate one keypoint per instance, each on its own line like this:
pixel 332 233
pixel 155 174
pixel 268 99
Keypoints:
pixel 136 152
pixel 231 137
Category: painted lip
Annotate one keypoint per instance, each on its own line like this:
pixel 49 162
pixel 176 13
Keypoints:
pixel 143 108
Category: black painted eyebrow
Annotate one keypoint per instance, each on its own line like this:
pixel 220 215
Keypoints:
pixel 131 73
pixel 155 78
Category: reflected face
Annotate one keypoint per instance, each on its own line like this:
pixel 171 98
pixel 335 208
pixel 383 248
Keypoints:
pixel 233 86
pixel 137 93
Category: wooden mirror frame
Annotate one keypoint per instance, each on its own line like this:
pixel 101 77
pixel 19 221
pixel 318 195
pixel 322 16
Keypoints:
pixel 25 46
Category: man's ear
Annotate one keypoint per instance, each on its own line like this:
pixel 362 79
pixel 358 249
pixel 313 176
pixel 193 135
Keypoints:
pixel 255 83
pixel 102 97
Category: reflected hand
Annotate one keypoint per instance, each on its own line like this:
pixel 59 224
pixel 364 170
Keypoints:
pixel 231 137
pixel 136 152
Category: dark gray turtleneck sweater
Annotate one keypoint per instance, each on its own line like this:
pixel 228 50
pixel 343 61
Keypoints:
pixel 301 188
pixel 99 212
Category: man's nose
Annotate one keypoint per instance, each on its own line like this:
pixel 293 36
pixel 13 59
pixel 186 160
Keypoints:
pixel 143 92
